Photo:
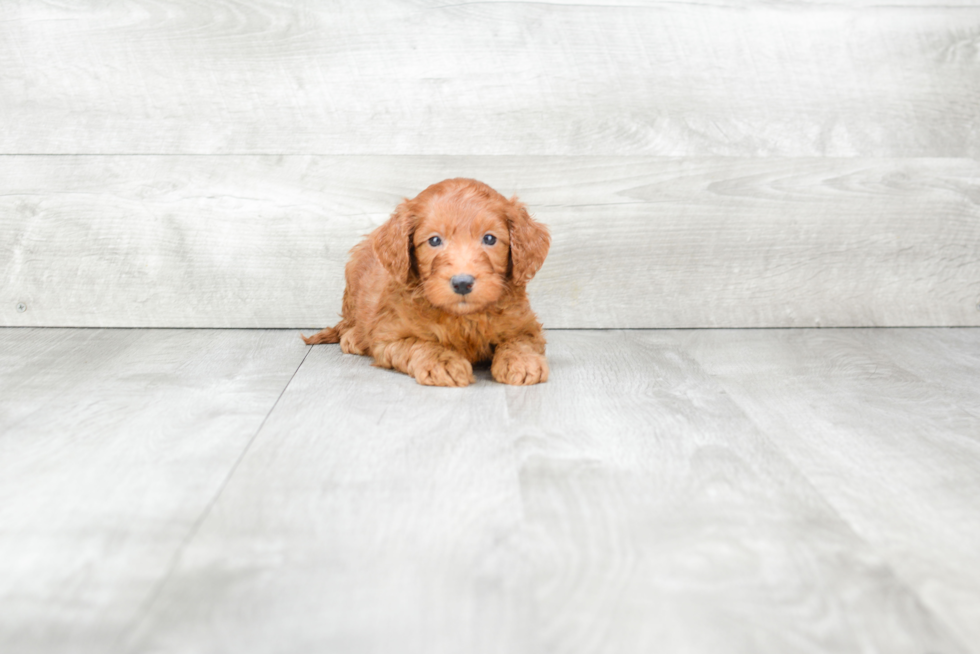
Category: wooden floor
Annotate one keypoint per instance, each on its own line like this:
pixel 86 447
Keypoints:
pixel 671 491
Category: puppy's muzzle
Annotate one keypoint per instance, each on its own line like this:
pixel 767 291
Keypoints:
pixel 462 284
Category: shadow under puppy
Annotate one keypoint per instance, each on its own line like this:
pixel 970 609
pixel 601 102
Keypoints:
pixel 441 286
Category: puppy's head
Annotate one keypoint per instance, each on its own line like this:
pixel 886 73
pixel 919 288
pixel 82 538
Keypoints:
pixel 462 243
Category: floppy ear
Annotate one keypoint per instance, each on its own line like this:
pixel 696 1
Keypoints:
pixel 529 243
pixel 392 242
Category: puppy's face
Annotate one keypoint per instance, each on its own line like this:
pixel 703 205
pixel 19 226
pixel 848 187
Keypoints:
pixel 462 250
pixel 465 241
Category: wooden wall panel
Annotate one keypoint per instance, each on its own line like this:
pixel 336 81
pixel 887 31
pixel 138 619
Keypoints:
pixel 672 78
pixel 689 156
pixel 261 241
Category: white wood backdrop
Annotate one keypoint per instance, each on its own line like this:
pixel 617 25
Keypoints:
pixel 701 164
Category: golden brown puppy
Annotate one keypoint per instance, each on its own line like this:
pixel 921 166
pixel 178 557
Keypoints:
pixel 441 286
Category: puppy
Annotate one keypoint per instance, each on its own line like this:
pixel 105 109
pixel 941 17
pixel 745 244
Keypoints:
pixel 441 286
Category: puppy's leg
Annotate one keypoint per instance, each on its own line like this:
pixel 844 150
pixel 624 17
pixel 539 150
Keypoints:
pixel 429 363
pixel 519 362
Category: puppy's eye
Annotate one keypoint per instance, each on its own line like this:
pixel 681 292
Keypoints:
pixel 489 239
pixel 435 241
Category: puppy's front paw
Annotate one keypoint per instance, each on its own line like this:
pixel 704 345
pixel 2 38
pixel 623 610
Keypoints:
pixel 520 368
pixel 444 370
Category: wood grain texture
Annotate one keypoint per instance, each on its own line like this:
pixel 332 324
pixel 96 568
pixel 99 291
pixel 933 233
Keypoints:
pixel 626 505
pixel 886 425
pixel 377 514
pixel 637 241
pixel 402 77
pixel 112 443
pixel 664 520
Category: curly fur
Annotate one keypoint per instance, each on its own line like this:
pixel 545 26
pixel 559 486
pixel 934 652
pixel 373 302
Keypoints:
pixel 401 308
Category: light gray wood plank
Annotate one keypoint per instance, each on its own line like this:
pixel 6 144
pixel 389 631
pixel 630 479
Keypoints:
pixel 112 443
pixel 665 521
pixel 947 361
pixel 626 505
pixel 371 514
pixel 886 425
pixel 741 4
pixel 403 77
pixel 638 241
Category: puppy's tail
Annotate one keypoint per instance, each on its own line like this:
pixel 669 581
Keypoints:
pixel 328 335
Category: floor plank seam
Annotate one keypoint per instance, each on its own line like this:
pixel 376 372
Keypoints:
pixel 154 594
pixel 804 479
pixel 913 589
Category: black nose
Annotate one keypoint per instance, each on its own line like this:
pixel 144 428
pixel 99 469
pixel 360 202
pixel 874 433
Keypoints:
pixel 462 284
